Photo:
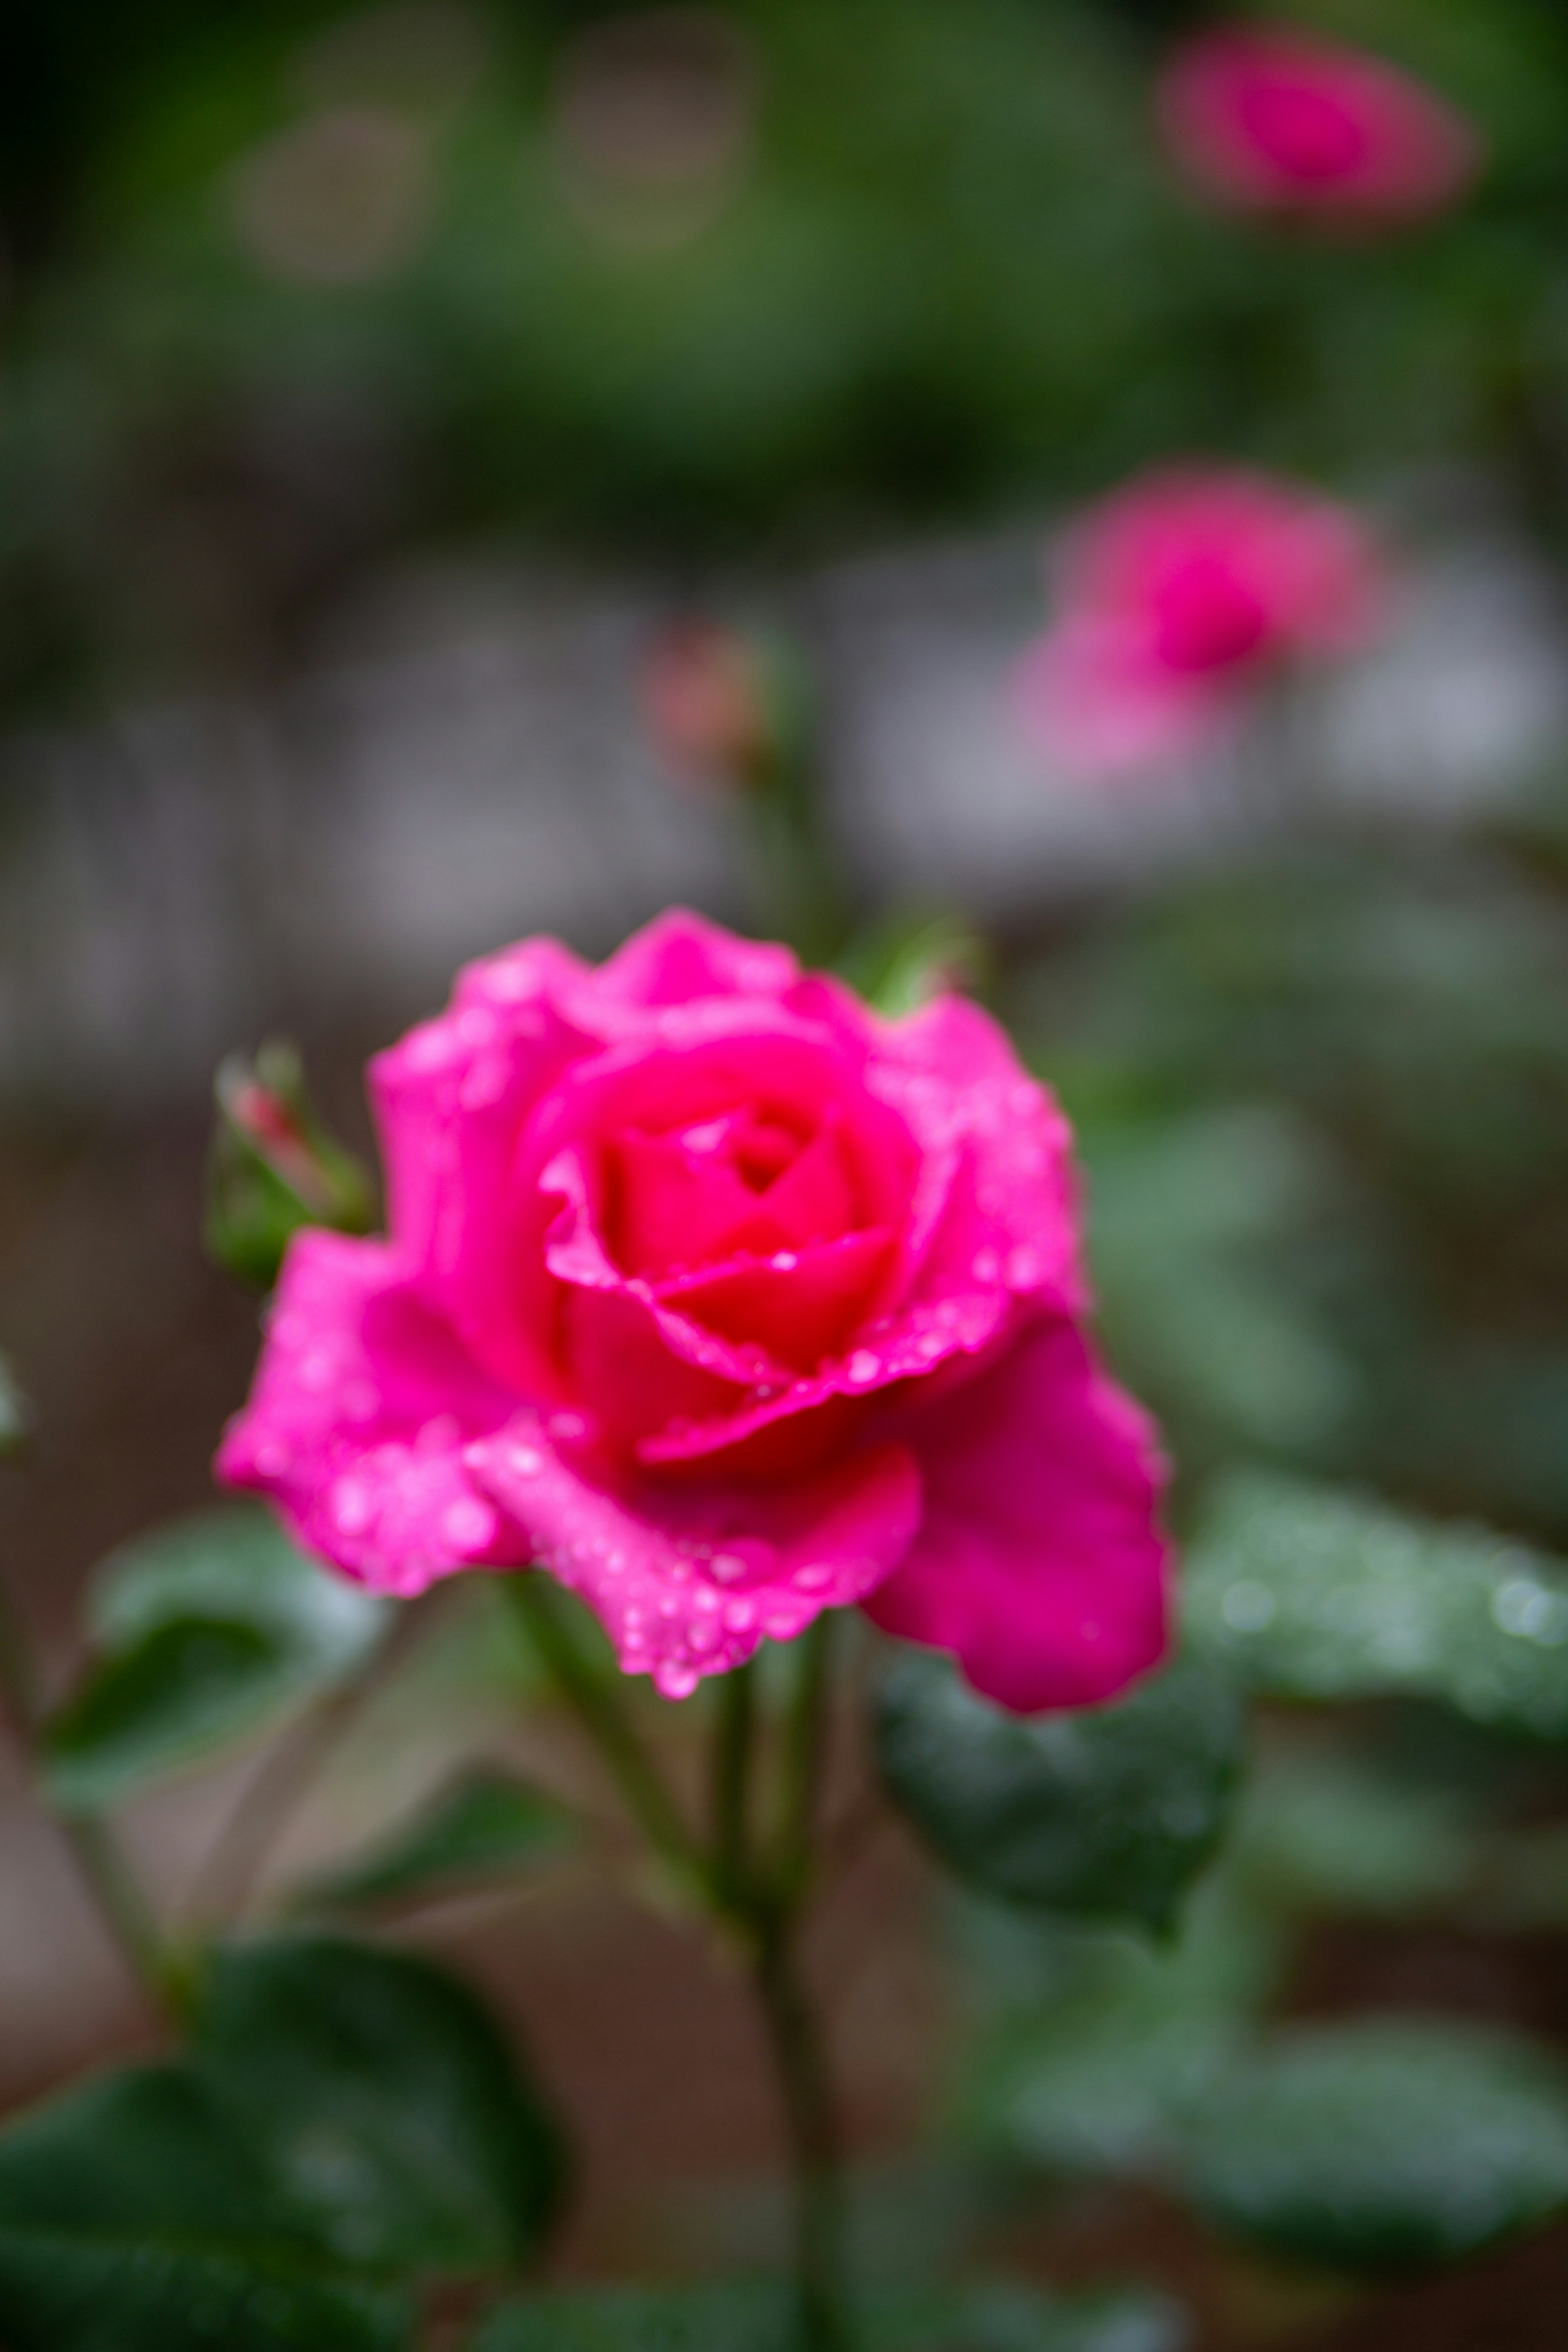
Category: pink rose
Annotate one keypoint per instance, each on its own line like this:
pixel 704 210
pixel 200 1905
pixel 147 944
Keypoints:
pixel 726 1301
pixel 1175 594
pixel 1267 119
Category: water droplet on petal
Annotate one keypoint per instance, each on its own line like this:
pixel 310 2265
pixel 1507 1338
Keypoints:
pixel 468 1525
pixel 863 1368
pixel 674 1680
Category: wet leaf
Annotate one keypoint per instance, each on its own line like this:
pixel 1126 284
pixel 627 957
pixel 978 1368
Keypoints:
pixel 992 2317
pixel 387 2104
pixel 1385 2145
pixel 203 1631
pixel 1103 2043
pixel 1109 1813
pixel 134 2217
pixel 1310 1592
pixel 485 1826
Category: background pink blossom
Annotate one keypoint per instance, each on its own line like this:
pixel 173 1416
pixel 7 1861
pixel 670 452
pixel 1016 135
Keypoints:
pixel 1269 118
pixel 1174 596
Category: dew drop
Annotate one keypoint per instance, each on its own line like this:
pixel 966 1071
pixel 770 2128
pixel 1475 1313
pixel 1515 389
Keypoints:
pixel 674 1680
pixel 1248 1607
pixel 469 1524
pixel 352 1506
pixel 863 1368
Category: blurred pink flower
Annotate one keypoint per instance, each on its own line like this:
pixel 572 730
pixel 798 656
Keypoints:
pixel 727 1300
pixel 1267 118
pixel 1175 594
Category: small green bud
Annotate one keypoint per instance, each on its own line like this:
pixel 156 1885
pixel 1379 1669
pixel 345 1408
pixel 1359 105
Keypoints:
pixel 272 1167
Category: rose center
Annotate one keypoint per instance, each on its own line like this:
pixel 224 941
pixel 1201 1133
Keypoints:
pixel 1207 618
pixel 1308 133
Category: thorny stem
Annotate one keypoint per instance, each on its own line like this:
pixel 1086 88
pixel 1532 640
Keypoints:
pixel 109 1878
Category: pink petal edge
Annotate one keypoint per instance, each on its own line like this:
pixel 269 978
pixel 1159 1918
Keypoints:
pixel 1039 1562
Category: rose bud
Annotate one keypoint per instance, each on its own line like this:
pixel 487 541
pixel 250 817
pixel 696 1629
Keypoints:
pixel 273 1167
pixel 714 704
pixel 1176 596
pixel 1267 119
pixel 725 1299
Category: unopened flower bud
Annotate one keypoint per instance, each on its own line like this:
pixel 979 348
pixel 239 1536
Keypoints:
pixel 273 1167
pixel 712 702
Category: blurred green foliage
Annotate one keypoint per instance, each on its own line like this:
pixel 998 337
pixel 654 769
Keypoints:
pixel 301 283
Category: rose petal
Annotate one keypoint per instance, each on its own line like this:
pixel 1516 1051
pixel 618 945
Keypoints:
pixel 800 1305
pixel 680 956
pixel 357 1421
pixel 686 1583
pixel 1039 1562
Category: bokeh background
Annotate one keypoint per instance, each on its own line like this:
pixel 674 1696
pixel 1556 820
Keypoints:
pixel 377 388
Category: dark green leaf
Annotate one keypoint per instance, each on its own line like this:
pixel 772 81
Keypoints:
pixel 1331 1831
pixel 998 2317
pixel 1103 2043
pixel 135 2217
pixel 15 1414
pixel 991 2318
pixel 1109 1813
pixel 203 1631
pixel 386 2102
pixel 485 1826
pixel 757 2318
pixel 1385 2145
pixel 1309 1592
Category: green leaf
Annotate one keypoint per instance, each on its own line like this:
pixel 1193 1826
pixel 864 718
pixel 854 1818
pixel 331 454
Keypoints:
pixel 1105 2043
pixel 203 1631
pixel 386 2102
pixel 903 963
pixel 347 2118
pixel 1385 2145
pixel 1331 1831
pixel 1109 1813
pixel 1309 1592
pixel 999 2316
pixel 15 1413
pixel 759 2318
pixel 135 2217
pixel 484 1825
pixel 994 2316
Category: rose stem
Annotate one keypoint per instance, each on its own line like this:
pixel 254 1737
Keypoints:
pixel 115 1890
pixel 600 1711
pixel 798 2053
pixel 732 1744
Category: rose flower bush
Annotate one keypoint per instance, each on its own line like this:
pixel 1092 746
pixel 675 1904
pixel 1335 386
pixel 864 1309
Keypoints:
pixel 726 1301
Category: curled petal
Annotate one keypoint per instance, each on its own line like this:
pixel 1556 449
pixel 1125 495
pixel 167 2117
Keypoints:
pixel 1039 1561
pixel 687 1581
pixel 356 1425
